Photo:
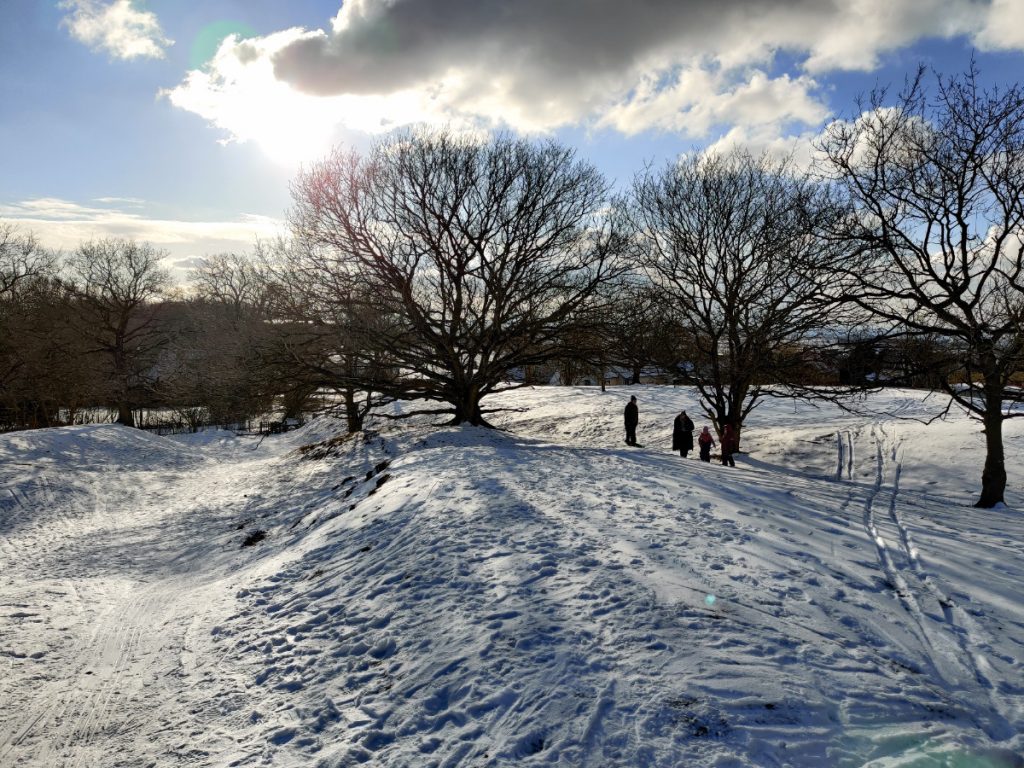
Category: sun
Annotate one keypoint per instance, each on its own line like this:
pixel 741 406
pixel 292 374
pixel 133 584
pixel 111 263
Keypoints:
pixel 292 131
pixel 237 89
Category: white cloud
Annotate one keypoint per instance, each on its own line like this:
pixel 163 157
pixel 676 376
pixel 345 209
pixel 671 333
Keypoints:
pixel 799 148
pixel 187 263
pixel 131 202
pixel 699 101
pixel 239 93
pixel 536 66
pixel 63 224
pixel 858 32
pixel 1003 26
pixel 116 27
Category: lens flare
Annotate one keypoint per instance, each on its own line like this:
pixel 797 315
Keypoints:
pixel 209 38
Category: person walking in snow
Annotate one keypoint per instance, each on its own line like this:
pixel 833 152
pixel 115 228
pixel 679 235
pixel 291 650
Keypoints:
pixel 682 434
pixel 704 443
pixel 729 445
pixel 632 418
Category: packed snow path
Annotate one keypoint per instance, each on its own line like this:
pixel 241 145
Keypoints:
pixel 109 571
pixel 432 597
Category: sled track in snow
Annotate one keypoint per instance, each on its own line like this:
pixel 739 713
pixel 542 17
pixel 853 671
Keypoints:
pixel 695 586
pixel 9 502
pixel 69 716
pixel 117 650
pixel 111 665
pixel 20 496
pixel 954 641
pixel 22 545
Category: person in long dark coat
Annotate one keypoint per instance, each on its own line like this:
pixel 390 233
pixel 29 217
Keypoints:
pixel 682 434
pixel 632 417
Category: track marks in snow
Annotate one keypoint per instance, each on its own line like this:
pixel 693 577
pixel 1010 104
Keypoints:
pixel 954 641
pixel 508 601
pixel 106 686
pixel 114 680
pixel 105 556
pixel 531 592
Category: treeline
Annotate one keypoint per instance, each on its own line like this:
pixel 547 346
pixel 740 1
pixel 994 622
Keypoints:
pixel 104 328
pixel 437 267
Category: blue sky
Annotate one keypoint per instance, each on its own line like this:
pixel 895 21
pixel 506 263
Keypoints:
pixel 143 119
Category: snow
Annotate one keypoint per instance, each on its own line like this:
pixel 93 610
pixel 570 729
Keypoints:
pixel 539 595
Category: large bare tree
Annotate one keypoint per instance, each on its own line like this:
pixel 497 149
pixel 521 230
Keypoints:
pixel 331 338
pixel 470 257
pixel 937 180
pixel 735 243
pixel 115 282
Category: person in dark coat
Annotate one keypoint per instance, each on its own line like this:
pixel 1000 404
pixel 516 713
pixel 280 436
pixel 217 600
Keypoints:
pixel 682 434
pixel 729 446
pixel 632 417
pixel 704 443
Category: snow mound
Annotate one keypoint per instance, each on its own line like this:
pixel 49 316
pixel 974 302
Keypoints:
pixel 537 595
pixel 93 447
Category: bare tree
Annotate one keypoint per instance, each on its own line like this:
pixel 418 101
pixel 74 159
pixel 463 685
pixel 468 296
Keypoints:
pixel 223 358
pixel 265 334
pixel 329 340
pixel 238 281
pixel 45 376
pixel 734 242
pixel 212 369
pixel 937 181
pixel 471 257
pixel 22 258
pixel 643 329
pixel 114 283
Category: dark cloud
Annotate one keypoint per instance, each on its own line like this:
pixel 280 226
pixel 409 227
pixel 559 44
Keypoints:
pixel 381 47
pixel 537 65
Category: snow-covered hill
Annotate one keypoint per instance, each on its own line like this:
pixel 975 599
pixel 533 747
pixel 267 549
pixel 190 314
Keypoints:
pixel 542 595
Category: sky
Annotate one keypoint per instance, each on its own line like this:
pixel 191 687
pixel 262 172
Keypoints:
pixel 182 122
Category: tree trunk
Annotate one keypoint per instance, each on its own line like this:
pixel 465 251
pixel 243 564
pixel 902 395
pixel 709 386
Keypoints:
pixel 467 408
pixel 993 477
pixel 567 374
pixel 737 395
pixel 353 415
pixel 35 415
pixel 294 403
pixel 122 393
pixel 125 415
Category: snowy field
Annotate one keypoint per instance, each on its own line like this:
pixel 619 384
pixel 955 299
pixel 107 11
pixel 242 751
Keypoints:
pixel 542 595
